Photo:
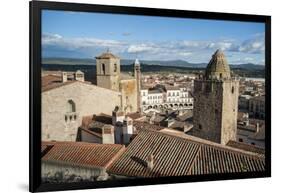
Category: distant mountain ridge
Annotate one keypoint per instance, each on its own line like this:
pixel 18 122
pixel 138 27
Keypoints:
pixel 173 63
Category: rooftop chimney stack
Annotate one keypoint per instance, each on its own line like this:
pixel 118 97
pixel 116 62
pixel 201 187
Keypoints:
pixel 257 127
pixel 117 115
pixel 150 162
pixel 79 76
pixel 127 130
pixel 64 76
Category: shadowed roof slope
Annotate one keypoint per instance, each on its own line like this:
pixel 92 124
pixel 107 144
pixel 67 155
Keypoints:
pixel 218 66
pixel 176 156
pixel 83 154
pixel 53 81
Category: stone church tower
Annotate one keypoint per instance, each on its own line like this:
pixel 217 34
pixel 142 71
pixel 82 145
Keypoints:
pixel 137 75
pixel 108 71
pixel 216 102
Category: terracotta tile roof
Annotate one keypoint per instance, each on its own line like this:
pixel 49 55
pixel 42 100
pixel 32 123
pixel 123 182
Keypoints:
pixel 251 130
pixel 104 118
pixel 135 115
pixel 179 125
pixel 96 126
pixel 106 55
pixel 176 156
pixel 101 118
pixel 158 118
pixel 83 154
pixel 186 116
pixel 52 81
pixel 172 88
pixel 143 125
pixel 97 134
pixel 246 147
pixel 46 146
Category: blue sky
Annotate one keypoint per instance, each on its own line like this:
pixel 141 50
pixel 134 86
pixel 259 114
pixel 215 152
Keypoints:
pixel 86 35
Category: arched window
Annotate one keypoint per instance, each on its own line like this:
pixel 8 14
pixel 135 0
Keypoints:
pixel 115 67
pixel 103 68
pixel 232 90
pixel 71 106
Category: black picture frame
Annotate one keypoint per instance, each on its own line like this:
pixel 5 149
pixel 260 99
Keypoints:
pixel 36 7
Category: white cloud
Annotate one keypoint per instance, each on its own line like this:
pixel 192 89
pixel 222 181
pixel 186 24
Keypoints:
pixel 252 46
pixel 58 40
pixel 190 50
pixel 185 53
pixel 126 34
pixel 140 48
pixel 255 45
pixel 249 59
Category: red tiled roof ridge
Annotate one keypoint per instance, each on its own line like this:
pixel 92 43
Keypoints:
pixel 177 156
pixel 250 148
pixel 79 143
pixel 204 142
pixel 74 81
pixel 58 86
pixel 77 154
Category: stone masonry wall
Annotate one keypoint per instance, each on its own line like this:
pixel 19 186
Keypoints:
pixel 68 173
pixel 229 111
pixel 88 99
pixel 215 110
pixel 207 111
pixel 128 89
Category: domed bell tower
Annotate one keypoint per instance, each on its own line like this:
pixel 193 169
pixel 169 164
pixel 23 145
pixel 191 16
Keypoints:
pixel 216 102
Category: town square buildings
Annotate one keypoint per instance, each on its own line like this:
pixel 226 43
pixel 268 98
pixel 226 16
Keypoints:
pixel 147 131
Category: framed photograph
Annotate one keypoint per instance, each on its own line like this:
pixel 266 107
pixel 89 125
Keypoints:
pixel 126 96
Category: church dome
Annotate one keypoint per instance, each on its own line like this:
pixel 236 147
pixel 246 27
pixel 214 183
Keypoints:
pixel 107 55
pixel 218 67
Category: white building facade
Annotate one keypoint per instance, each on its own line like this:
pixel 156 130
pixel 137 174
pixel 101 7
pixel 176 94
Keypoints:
pixel 174 98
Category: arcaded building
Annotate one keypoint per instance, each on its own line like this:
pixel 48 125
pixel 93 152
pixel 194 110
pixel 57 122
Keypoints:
pixel 216 102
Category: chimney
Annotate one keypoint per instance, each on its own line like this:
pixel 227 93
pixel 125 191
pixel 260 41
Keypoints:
pixel 246 122
pixel 180 113
pixel 257 127
pixel 64 76
pixel 152 118
pixel 127 130
pixel 108 136
pixel 150 162
pixel 79 76
pixel 117 115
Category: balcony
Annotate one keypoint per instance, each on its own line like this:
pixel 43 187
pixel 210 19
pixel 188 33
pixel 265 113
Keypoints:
pixel 71 117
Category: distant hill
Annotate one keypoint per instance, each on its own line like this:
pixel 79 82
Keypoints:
pixel 248 66
pixel 170 63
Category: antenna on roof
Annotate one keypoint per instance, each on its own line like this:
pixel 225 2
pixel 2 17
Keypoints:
pixel 107 50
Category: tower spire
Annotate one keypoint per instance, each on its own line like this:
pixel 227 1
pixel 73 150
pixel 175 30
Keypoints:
pixel 137 74
pixel 218 67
